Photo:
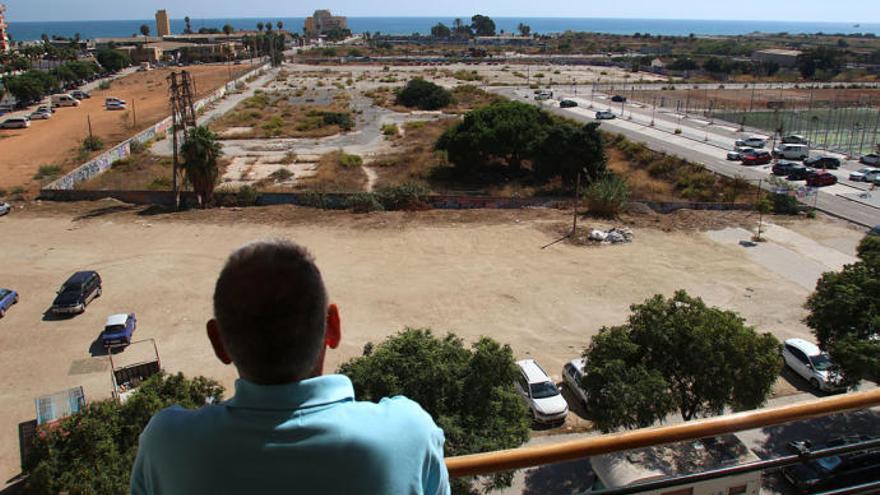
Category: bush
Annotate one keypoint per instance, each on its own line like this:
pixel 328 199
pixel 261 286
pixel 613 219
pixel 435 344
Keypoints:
pixel 281 174
pixel 343 120
pixel 160 183
pixel 365 203
pixel 92 143
pixel 105 85
pixel 47 171
pixel 137 147
pixel 390 130
pixel 246 196
pixel 407 196
pixel 424 95
pixel 350 160
pixel 607 196
pixel 784 204
pixel 273 126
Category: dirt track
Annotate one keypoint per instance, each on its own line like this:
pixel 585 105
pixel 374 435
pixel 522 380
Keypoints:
pixel 474 273
pixel 56 141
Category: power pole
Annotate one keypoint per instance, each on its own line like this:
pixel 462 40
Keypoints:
pixel 183 115
pixel 577 196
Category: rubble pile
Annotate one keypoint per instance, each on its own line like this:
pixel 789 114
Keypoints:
pixel 612 236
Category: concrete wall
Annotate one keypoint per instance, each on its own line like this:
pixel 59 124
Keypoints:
pixel 105 161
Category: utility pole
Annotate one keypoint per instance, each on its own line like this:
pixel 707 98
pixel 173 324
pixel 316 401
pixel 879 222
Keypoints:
pixel 577 197
pixel 89 119
pixel 183 115
pixel 134 113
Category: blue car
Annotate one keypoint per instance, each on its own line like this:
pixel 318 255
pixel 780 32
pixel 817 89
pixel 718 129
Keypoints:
pixel 8 297
pixel 118 330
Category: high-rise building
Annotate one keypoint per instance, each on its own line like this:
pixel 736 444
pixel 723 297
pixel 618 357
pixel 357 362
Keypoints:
pixel 322 22
pixel 4 36
pixel 163 23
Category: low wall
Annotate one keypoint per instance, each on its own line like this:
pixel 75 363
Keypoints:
pixel 105 161
pixel 340 200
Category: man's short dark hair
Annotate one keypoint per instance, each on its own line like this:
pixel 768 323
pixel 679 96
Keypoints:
pixel 271 308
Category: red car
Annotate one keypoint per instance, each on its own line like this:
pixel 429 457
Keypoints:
pixel 820 179
pixel 757 158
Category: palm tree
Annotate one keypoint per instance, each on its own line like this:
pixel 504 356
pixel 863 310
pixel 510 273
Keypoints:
pixel 228 29
pixel 269 26
pixel 188 29
pixel 280 25
pixel 260 27
pixel 200 151
pixel 145 30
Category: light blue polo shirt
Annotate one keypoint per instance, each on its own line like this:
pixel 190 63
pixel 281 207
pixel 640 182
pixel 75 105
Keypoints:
pixel 306 437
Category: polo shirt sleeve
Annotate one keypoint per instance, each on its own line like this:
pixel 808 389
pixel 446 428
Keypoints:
pixel 138 475
pixel 436 476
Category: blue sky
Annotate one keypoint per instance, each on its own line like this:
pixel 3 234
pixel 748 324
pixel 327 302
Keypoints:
pixel 865 11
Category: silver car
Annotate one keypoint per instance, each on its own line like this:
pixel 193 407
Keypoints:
pixel 5 209
pixel 606 115
pixel 572 374
pixel 861 175
pixel 15 123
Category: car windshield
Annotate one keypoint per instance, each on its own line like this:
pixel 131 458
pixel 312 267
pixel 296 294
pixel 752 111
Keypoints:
pixel 114 328
pixel 3 293
pixel 543 390
pixel 70 289
pixel 821 362
pixel 829 463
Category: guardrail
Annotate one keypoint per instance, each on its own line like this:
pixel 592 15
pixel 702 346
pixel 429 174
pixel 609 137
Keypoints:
pixel 523 457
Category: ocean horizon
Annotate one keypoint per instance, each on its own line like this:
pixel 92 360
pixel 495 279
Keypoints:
pixel 28 31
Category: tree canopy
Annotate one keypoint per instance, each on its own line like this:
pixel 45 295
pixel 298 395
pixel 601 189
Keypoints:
pixel 677 353
pixel 201 151
pixel 441 31
pixel 113 60
pixel 468 391
pixel 145 30
pixel 424 95
pixel 483 25
pixel 824 59
pixel 32 85
pixel 93 451
pixel 845 315
pixel 569 149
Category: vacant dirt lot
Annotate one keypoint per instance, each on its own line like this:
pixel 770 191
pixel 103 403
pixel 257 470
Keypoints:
pixel 56 141
pixel 470 272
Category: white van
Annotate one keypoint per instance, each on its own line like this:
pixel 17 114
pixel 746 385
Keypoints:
pixel 64 100
pixel 792 151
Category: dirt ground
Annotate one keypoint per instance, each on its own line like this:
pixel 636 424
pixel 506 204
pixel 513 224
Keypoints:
pixel 470 272
pixel 56 141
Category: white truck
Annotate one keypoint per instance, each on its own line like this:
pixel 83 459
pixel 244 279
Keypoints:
pixel 64 100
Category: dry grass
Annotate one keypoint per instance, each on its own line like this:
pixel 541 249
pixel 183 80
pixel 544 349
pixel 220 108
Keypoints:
pixel 640 182
pixel 138 172
pixel 333 176
pixel 414 157
pixel 270 115
pixel 467 97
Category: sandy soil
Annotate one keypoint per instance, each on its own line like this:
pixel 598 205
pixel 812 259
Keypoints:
pixel 56 141
pixel 473 273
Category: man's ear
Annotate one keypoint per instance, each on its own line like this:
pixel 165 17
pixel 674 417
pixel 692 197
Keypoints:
pixel 217 342
pixel 333 334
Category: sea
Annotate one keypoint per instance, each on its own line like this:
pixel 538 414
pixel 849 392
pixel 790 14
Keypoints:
pixel 26 31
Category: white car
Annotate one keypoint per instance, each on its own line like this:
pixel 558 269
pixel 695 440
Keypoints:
pixel 572 374
pixel 38 115
pixel 752 142
pixel 5 209
pixel 115 105
pixel 540 393
pixel 871 159
pixel 808 361
pixel 606 115
pixel 737 153
pixel 861 174
pixel 872 176
pixel 16 123
pixel 113 99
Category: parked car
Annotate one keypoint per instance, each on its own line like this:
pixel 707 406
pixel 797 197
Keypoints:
pixel 752 142
pixel 808 361
pixel 618 98
pixel 118 330
pixel 820 179
pixel 861 174
pixel 606 115
pixel 834 472
pixel 757 158
pixel 38 115
pixel 784 167
pixel 80 94
pixel 794 139
pixel 792 151
pixel 540 393
pixel 822 162
pixel 572 373
pixel 16 123
pixel 64 100
pixel 800 173
pixel 78 291
pixel 737 153
pixel 567 104
pixel 6 108
pixel 873 176
pixel 45 108
pixel 5 209
pixel 114 105
pixel 113 99
pixel 8 297
pixel 870 159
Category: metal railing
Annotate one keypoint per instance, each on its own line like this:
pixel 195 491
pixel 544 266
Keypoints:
pixel 523 457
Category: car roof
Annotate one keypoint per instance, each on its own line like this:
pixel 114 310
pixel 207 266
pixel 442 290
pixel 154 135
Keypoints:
pixel 533 372
pixel 809 348
pixel 578 363
pixel 119 319
pixel 80 277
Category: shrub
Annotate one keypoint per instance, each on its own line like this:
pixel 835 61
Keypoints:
pixel 678 130
pixel 785 204
pixel 137 147
pixel 105 84
pixel 343 120
pixel 424 95
pixel 47 171
pixel 407 196
pixel 247 195
pixel 364 203
pixel 160 183
pixel 607 196
pixel 280 175
pixel 390 130
pixel 17 190
pixel 92 143
pixel 273 126
pixel 347 160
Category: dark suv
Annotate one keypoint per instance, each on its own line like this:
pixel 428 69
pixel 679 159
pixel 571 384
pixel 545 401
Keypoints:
pixel 828 473
pixel 79 290
pixel 822 162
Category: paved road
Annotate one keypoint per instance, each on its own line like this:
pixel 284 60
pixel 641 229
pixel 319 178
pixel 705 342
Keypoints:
pixel 705 143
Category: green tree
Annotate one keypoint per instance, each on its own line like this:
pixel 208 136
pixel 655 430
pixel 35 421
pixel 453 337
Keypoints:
pixel 524 29
pixel 441 31
pixel 268 26
pixel 92 452
pixel 507 131
pixel 679 354
pixel 112 60
pixel 483 25
pixel 145 30
pixel 201 152
pixel 424 95
pixel 260 27
pixel 187 29
pixel 845 315
pixel 459 28
pixel 468 392
pixel 31 85
pixel 279 25
pixel 568 149
pixel 228 29
pixel 821 58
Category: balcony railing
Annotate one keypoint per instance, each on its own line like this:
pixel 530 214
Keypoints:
pixel 524 457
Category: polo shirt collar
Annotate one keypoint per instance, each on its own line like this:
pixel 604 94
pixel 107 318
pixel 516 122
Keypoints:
pixel 318 391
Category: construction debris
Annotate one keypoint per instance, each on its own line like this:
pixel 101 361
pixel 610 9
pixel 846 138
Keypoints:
pixel 612 236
